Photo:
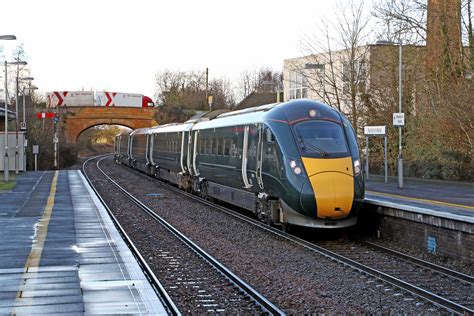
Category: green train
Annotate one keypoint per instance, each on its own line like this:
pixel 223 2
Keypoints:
pixel 288 163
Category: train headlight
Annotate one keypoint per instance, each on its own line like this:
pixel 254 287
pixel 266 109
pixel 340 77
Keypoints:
pixel 356 167
pixel 293 164
pixel 296 166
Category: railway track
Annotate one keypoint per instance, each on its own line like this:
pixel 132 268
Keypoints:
pixel 197 282
pixel 442 286
pixel 396 272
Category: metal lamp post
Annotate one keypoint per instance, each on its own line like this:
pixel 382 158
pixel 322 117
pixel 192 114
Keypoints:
pixel 17 157
pixel 5 159
pixel 29 88
pixel 400 86
pixel 23 123
pixel 400 93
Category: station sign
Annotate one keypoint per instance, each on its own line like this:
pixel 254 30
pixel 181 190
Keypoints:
pixel 23 126
pixel 399 119
pixel 375 130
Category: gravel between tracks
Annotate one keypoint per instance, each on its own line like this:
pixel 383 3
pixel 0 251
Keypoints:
pixel 194 285
pixel 294 278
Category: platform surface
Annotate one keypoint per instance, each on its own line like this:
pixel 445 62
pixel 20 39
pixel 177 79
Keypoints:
pixel 453 199
pixel 61 253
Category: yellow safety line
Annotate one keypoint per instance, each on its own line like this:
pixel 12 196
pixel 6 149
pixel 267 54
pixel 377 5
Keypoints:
pixel 421 200
pixel 38 243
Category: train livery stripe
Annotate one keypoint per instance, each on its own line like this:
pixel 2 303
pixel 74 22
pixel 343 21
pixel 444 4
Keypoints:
pixel 333 185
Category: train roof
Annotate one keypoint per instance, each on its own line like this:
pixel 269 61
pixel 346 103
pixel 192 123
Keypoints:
pixel 171 128
pixel 291 111
pixel 246 116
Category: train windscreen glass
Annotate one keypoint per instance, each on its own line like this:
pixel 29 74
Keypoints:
pixel 321 139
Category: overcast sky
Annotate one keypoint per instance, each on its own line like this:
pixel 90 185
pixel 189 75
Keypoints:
pixel 120 45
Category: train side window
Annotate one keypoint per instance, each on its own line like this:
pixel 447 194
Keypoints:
pixel 216 146
pixel 233 149
pixel 227 146
pixel 220 149
pixel 209 146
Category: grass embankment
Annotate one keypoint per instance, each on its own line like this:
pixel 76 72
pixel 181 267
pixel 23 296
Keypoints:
pixel 7 186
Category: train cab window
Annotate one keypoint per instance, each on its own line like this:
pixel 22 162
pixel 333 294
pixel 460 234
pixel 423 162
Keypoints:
pixel 321 138
pixel 269 135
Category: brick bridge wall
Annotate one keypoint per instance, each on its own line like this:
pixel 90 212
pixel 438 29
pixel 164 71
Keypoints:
pixel 78 119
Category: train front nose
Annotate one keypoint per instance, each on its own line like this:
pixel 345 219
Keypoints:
pixel 332 182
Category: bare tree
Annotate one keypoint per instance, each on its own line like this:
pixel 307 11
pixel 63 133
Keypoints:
pixel 402 19
pixel 335 68
pixel 181 94
pixel 262 80
pixel 439 102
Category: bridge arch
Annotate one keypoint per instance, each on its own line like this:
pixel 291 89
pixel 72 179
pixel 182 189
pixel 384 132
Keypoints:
pixel 78 119
pixel 101 124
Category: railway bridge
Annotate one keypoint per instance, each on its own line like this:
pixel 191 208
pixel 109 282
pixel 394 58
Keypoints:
pixel 75 120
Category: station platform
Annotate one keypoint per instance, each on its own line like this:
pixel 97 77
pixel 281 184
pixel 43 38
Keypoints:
pixel 446 199
pixel 61 253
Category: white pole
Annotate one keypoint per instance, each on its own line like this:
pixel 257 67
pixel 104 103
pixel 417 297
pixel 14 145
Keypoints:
pixel 5 159
pixel 400 157
pixel 17 157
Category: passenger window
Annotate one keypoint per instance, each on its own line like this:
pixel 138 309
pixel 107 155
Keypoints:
pixel 220 149
pixel 227 144
pixel 216 145
pixel 209 146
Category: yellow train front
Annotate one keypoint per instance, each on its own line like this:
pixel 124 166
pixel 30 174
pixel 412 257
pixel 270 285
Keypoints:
pixel 323 186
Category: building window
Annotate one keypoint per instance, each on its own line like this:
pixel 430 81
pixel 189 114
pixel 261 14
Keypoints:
pixel 298 85
pixel 358 74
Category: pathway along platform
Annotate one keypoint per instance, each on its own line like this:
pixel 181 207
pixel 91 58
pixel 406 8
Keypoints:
pixel 435 216
pixel 445 199
pixel 60 252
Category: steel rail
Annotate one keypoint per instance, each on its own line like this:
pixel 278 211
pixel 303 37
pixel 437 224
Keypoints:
pixel 449 305
pixel 266 305
pixel 155 283
pixel 425 264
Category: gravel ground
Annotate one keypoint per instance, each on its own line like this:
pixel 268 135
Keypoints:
pixel 462 266
pixel 294 278
pixel 194 285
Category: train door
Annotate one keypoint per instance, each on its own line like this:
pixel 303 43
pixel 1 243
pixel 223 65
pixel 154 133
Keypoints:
pixel 251 156
pixel 259 156
pixel 192 152
pixel 148 149
pixel 182 155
